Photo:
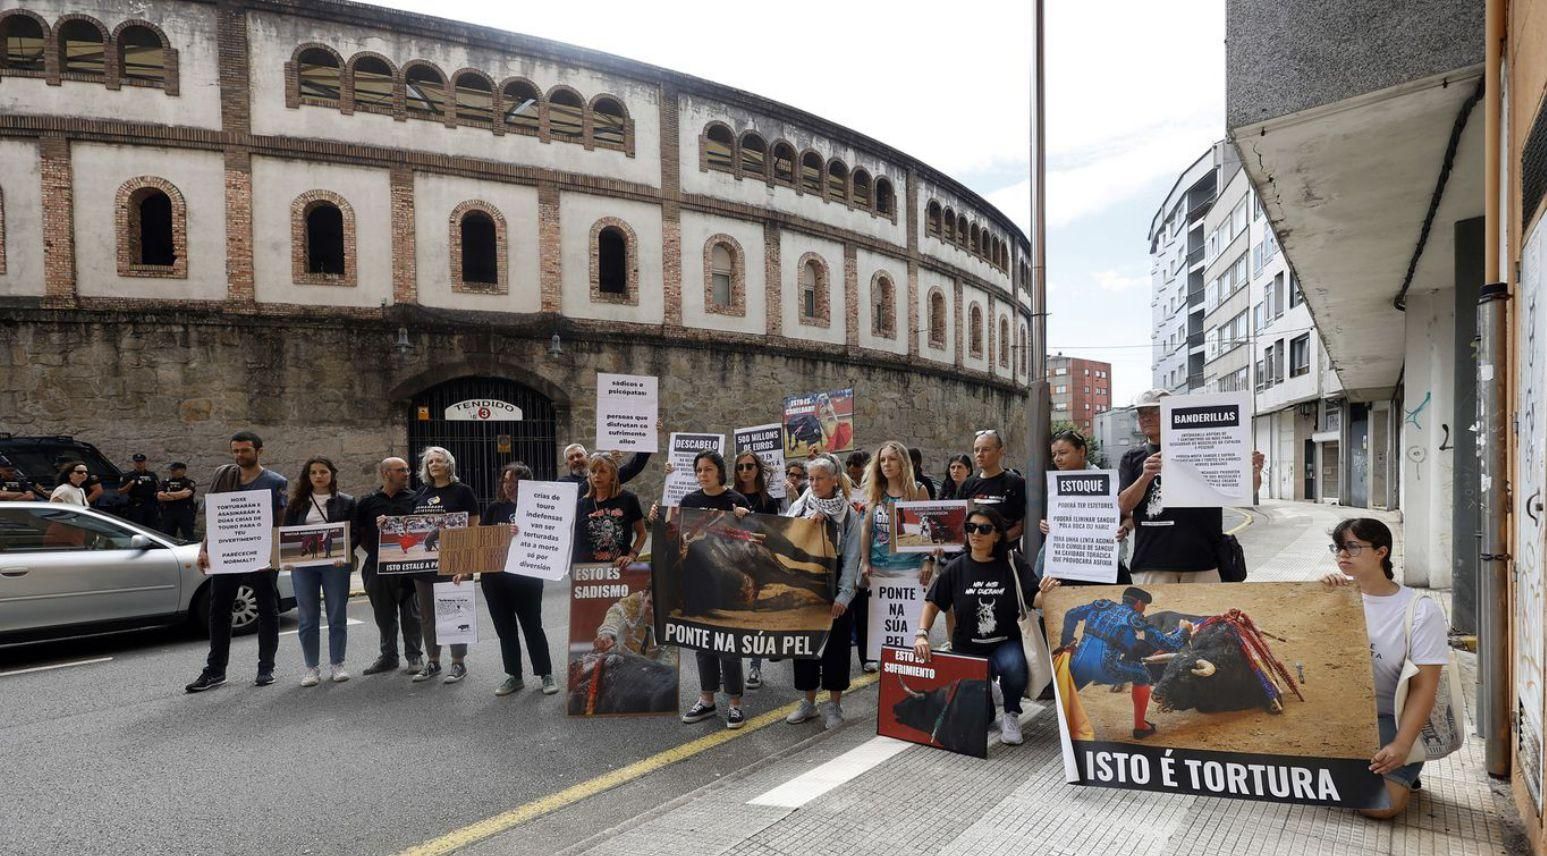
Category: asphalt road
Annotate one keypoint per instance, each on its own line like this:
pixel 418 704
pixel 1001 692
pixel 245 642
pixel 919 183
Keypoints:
pixel 113 757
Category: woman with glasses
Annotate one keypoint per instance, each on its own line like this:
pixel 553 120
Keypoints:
pixel 515 601
pixel 751 475
pixel 794 480
pixel 828 500
pixel 957 471
pixel 888 479
pixel 316 499
pixel 70 491
pixel 1362 548
pixel 977 587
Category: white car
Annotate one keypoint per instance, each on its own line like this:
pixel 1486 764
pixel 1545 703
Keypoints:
pixel 70 571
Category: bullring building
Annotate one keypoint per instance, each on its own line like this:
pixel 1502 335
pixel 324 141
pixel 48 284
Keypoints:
pixel 334 224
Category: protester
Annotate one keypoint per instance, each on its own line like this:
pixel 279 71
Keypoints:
pixel 139 484
pixel 1170 545
pixel 15 486
pixel 69 490
pixel 176 497
pixel 1362 546
pixel 576 457
pixel 888 478
pixel 515 601
pixel 1068 450
pixel 394 602
pixel 978 588
pixel 316 499
pixel 917 457
pixel 794 480
pixel 715 671
pixel 442 493
pixel 957 472
pixel 751 480
pixel 246 473
pixel 855 464
pixel 828 500
pixel 994 486
pixel 609 526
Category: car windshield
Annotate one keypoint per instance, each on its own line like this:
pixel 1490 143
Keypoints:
pixel 42 463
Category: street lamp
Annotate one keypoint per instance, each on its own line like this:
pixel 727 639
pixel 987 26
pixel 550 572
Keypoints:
pixel 403 346
pixel 555 347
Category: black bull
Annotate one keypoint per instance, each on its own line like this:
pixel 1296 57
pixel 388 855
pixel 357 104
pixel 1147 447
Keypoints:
pixel 722 573
pixel 1211 674
pixel 621 682
pixel 956 721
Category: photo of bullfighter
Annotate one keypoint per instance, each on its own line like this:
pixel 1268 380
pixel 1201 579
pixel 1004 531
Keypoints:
pixel 617 664
pixel 1114 646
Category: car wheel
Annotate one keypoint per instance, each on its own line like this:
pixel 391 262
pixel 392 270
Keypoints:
pixel 244 611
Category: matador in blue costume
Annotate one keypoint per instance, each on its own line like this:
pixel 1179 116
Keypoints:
pixel 1112 649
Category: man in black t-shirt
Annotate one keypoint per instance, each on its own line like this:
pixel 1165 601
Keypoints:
pixel 176 497
pixel 994 486
pixel 140 484
pixel 394 601
pixel 15 487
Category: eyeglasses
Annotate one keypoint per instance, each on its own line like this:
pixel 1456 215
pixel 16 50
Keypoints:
pixel 980 528
pixel 747 467
pixel 1352 548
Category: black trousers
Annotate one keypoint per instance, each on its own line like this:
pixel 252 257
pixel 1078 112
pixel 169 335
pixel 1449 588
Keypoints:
pixel 516 604
pixel 145 514
pixel 222 593
pixel 831 670
pixel 394 602
pixel 177 521
pixel 859 610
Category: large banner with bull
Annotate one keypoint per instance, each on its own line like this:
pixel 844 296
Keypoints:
pixel 944 703
pixel 757 586
pixel 1252 691
pixel 617 664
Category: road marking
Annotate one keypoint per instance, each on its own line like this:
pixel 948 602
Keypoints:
pixel 493 826
pixel 1244 523
pixel 54 666
pixel 815 782
pixel 350 623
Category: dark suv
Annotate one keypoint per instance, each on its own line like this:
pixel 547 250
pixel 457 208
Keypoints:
pixel 41 458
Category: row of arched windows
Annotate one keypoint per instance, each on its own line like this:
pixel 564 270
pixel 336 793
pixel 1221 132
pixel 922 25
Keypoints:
pixel 807 172
pixel 79 47
pixel 954 228
pixel 371 83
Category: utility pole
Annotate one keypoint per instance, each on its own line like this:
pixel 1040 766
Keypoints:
pixel 1038 403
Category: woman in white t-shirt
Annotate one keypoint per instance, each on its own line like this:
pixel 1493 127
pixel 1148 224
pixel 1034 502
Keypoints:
pixel 1362 547
pixel 71 490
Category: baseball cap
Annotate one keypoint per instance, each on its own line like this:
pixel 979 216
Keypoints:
pixel 177 465
pixel 1151 398
pixel 137 457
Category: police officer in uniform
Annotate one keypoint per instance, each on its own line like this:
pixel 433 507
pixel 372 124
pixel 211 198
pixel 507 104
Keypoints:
pixel 140 484
pixel 176 498
pixel 15 486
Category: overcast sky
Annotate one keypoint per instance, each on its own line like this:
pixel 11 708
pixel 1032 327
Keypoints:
pixel 1135 93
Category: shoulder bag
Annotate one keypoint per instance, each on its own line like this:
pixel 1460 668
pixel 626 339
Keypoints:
pixel 1445 731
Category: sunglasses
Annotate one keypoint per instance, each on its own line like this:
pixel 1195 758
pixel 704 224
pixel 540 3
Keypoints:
pixel 746 466
pixel 980 528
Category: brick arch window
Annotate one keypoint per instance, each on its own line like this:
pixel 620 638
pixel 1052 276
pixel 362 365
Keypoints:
pixel 837 181
pixel 862 197
pixel 936 318
pixel 719 148
pixel 144 56
pixel 783 162
pixel 315 75
pixel 566 115
pixel 82 48
pixel 24 40
pixel 972 240
pixel 371 84
pixel 949 234
pixel 478 248
pixel 152 225
pixel 424 92
pixel 886 198
pixel 725 276
pixel 522 104
pixel 1004 342
pixel 610 126
pixel 961 231
pixel 883 307
pixel 754 155
pixel 473 98
pixel 614 262
pixel 975 331
pixel 322 239
pixel 1025 350
pixel 812 171
pixel 813 278
pixel 932 219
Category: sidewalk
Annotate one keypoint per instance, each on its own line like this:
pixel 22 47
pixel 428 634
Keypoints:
pixel 849 792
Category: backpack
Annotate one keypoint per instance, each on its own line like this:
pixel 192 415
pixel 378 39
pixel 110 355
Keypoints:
pixel 1232 560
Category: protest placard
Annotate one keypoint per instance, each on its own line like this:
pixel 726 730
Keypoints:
pixel 627 410
pixel 821 421
pixel 617 665
pixel 1206 449
pixel 680 453
pixel 768 442
pixel 1241 697
pixel 456 613
pixel 240 530
pixel 1082 521
pixel 545 514
pixel 410 544
pixel 895 605
pixel 929 525
pixel 943 703
pixel 474 550
pixel 312 545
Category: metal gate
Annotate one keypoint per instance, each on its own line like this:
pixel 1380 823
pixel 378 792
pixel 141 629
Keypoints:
pixel 499 421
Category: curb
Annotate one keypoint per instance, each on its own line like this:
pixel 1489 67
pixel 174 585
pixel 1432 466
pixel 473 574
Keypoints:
pixel 1251 517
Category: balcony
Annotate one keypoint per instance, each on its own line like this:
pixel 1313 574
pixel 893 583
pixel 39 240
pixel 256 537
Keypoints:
pixel 1195 340
pixel 1195 257
pixel 1195 381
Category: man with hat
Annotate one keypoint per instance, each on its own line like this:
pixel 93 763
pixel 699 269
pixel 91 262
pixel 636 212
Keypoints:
pixel 1112 648
pixel 1170 545
pixel 176 498
pixel 16 487
pixel 141 484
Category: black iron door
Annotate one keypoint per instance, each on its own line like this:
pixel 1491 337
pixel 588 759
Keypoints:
pixel 485 423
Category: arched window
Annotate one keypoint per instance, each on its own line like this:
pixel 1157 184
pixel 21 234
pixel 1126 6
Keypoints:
pixel 720 148
pixel 950 226
pixel 523 107
pixel 142 57
pixel 324 239
pixel 975 331
pixel 322 229
pixel 1004 342
pixel 837 181
pixel 24 39
pixel 861 189
pixel 813 291
pixel 720 276
pixel 609 123
pixel 152 233
pixel 474 98
pixel 754 155
pixel 811 173
pixel 372 80
pixel 424 92
pixel 784 163
pixel 936 318
pixel 1025 350
pixel 82 48
pixel 972 240
pixel 724 276
pixel 932 219
pixel 318 77
pixel 480 249
pixel 566 116
pixel 961 230
pixel 886 200
pixel 883 307
pixel 612 262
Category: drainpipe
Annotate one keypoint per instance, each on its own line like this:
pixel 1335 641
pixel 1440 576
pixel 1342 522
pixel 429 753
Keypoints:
pixel 1493 689
pixel 1038 403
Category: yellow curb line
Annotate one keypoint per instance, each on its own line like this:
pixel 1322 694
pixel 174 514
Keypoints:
pixel 1245 523
pixel 504 821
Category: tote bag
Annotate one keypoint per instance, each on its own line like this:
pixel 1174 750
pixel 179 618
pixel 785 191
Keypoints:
pixel 1445 731
pixel 1039 664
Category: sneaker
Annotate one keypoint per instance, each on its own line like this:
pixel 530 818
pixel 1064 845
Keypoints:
pixel 870 667
pixel 734 718
pixel 263 679
pixel 754 678
pixel 429 670
pixel 805 712
pixel 832 715
pixel 550 686
pixel 457 672
pixel 338 673
pixel 415 666
pixel 205 681
pixel 382 664
pixel 1010 729
pixel 312 677
pixel 509 685
pixel 699 712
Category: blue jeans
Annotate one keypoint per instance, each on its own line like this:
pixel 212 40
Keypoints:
pixel 313 586
pixel 1407 774
pixel 1007 661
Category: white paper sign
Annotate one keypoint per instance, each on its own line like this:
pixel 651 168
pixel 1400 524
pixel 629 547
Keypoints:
pixel 1082 521
pixel 1206 450
pixel 240 529
pixel 545 514
pixel 768 442
pixel 895 606
pixel 456 613
pixel 681 481
pixel 627 407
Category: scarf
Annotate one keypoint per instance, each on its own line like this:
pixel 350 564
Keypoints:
pixel 835 509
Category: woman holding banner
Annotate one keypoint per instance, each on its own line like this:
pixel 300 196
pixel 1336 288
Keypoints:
pixel 515 601
pixel 888 479
pixel 1069 453
pixel 443 493
pixel 828 499
pixel 317 499
pixel 752 483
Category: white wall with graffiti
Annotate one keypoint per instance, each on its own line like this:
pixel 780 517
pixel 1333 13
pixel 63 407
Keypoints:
pixel 1427 458
pixel 1530 475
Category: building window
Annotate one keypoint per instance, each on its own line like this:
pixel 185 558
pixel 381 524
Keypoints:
pixel 318 77
pixel 24 37
pixel 1295 297
pixel 837 181
pixel 950 226
pixel 478 248
pixel 975 336
pixel 811 171
pixel 523 105
pixel 1300 355
pixel 1004 343
pixel 932 219
pixel 424 93
pixel 754 155
pixel 972 240
pixel 719 148
pixel 2 232
pixel 143 58
pixel 566 115
pixel 474 96
pixel 861 189
pixel 614 262
pixel 322 231
pixel 883 307
pixel 886 199
pixel 82 48
pixel 725 282
pixel 609 123
pixel 372 83
pixel 961 231
pixel 813 291
pixel 784 163
pixel 152 229
pixel 936 318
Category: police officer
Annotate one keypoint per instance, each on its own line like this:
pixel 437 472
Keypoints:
pixel 141 484
pixel 16 487
pixel 176 498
